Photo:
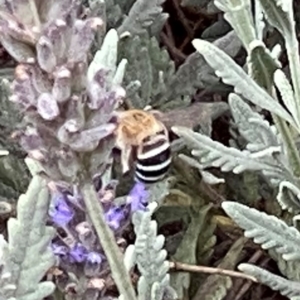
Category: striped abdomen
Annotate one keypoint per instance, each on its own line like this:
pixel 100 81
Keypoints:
pixel 153 159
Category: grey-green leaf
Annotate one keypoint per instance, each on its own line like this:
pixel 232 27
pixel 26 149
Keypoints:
pixel 29 253
pixel 268 231
pixel 233 74
pixel 261 64
pixel 142 15
pixel 279 15
pixel 107 56
pixel 285 287
pixel 289 196
pixel 238 14
pixel 213 154
pixel 287 93
pixel 251 125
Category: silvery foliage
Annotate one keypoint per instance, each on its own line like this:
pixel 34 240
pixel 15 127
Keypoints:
pixel 270 149
pixel 150 257
pixel 29 241
pixel 148 253
pixel 20 280
pixel 151 77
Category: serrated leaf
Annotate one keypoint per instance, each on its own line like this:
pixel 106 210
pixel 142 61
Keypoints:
pixel 285 287
pixel 287 93
pixel 214 154
pixel 195 73
pixel 30 255
pixel 261 64
pixel 279 14
pixel 268 231
pixel 206 176
pixel 106 57
pixel 238 14
pixel 142 15
pixel 289 197
pixel 289 269
pixel 151 66
pixel 233 74
pixel 252 126
pixel 158 24
pixel 149 256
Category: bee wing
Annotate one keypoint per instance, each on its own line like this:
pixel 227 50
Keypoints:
pixel 191 116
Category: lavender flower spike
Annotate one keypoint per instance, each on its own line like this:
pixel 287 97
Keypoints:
pixel 78 253
pixel 137 197
pixel 114 216
pixel 60 213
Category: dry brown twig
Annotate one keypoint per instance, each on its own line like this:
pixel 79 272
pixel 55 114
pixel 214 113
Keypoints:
pixel 178 266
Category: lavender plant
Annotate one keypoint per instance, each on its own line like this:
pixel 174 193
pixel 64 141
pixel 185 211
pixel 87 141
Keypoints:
pixel 68 103
pixel 270 149
pixel 69 81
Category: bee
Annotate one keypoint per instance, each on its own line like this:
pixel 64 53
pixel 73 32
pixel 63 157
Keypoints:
pixel 144 138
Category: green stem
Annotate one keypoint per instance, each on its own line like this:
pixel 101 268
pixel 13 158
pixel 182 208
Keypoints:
pixel 107 240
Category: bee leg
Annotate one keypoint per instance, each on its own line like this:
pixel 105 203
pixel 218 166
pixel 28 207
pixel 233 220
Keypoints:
pixel 125 159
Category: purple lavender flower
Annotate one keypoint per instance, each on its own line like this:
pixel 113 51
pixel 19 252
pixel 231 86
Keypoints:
pixel 93 264
pixel 114 216
pixel 94 258
pixel 78 253
pixel 138 197
pixel 60 213
pixel 59 250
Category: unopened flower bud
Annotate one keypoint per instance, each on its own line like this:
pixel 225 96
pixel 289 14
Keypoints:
pixel 47 107
pixel 61 90
pixel 45 54
pixel 57 35
pixel 82 38
pixel 24 92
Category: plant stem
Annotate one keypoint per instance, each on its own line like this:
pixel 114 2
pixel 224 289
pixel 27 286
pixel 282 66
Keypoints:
pixel 178 266
pixel 107 240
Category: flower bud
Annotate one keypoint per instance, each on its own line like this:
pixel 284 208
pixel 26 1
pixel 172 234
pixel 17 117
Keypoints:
pixel 45 54
pixel 82 38
pixel 24 92
pixel 57 34
pixel 47 107
pixel 61 90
